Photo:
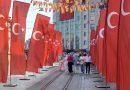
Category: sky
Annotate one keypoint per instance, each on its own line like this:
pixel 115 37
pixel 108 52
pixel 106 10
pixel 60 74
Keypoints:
pixel 33 10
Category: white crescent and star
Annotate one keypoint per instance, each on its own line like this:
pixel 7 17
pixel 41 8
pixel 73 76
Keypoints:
pixel 122 9
pixel 13 28
pixel 101 32
pixel 109 19
pixel 93 42
pixel 34 35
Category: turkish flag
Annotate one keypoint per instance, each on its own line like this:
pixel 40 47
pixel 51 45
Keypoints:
pixel 56 45
pixel 37 43
pixel 100 35
pixel 124 47
pixel 18 60
pixel 50 52
pixel 4 11
pixel 92 45
pixel 111 31
pixel 66 15
pixel 59 43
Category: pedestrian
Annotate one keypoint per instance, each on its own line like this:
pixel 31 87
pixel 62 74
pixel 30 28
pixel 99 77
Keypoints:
pixel 81 59
pixel 66 62
pixel 70 63
pixel 87 63
pixel 76 62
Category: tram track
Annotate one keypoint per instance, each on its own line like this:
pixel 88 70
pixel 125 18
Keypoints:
pixel 68 82
pixel 65 87
pixel 51 81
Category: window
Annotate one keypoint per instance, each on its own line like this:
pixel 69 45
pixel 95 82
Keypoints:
pixel 84 25
pixel 84 34
pixel 78 18
pixel 84 17
pixel 84 42
pixel 67 29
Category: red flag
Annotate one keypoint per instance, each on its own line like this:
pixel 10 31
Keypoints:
pixel 66 15
pixel 124 47
pixel 4 11
pixel 50 52
pixel 100 40
pixel 111 31
pixel 56 45
pixel 95 46
pixel 37 43
pixel 60 44
pixel 18 60
pixel 92 45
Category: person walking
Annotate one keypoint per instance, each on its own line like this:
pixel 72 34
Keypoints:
pixel 87 62
pixel 81 59
pixel 66 62
pixel 70 63
pixel 76 62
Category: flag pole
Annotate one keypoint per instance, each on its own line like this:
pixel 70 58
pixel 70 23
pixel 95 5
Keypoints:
pixel 9 26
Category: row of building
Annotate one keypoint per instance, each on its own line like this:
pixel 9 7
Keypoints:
pixel 76 31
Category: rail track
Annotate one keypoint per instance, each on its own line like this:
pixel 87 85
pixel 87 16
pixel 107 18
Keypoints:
pixel 44 87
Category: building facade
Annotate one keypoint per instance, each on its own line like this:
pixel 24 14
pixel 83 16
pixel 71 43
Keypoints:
pixel 76 31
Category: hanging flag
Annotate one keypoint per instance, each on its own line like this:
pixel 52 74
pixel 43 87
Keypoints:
pixel 18 60
pixel 60 44
pixel 111 31
pixel 4 11
pixel 38 43
pixel 50 52
pixel 56 45
pixel 92 45
pixel 95 46
pixel 100 39
pixel 66 13
pixel 124 47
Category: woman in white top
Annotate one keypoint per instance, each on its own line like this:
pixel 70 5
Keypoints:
pixel 82 61
pixel 87 62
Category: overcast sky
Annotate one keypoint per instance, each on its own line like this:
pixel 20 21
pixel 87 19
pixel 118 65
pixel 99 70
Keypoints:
pixel 33 10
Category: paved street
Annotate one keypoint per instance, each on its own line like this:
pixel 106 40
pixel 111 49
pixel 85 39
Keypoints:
pixel 58 80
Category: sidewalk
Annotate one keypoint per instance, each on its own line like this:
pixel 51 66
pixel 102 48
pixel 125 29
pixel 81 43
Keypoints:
pixel 24 84
pixel 79 81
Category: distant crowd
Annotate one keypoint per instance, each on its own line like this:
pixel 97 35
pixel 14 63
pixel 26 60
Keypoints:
pixel 77 62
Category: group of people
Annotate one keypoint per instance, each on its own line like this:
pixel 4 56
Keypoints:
pixel 78 62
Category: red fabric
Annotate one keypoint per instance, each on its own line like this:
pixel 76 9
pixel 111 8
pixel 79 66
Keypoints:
pixel 56 45
pixel 100 41
pixel 4 11
pixel 111 39
pixel 18 60
pixel 38 43
pixel 95 47
pixel 92 45
pixel 59 43
pixel 124 48
pixel 67 15
pixel 50 53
